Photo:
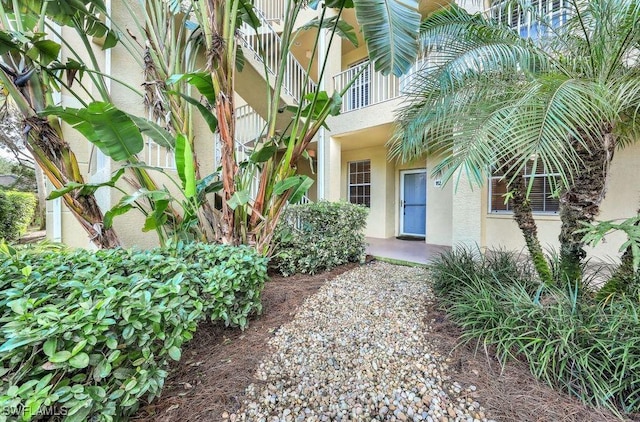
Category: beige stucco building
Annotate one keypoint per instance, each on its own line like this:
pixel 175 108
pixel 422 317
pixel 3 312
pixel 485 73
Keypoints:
pixel 352 161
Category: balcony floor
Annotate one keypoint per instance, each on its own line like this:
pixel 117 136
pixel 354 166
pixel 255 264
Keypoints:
pixel 414 251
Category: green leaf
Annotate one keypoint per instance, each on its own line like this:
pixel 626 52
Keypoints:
pixel 299 191
pixel 18 306
pixel 113 212
pixel 263 154
pixel 86 188
pixel 16 342
pixel 127 202
pixel 286 184
pixel 158 134
pixel 347 4
pixel 50 346
pixel 207 115
pixel 157 218
pixel 185 166
pixel 175 353
pixel 209 184
pixel 105 126
pixel 390 29
pixel 238 199
pixel 6 43
pixel 247 15
pixel 61 356
pixel 200 80
pixel 80 361
pixel 46 51
pixel 102 370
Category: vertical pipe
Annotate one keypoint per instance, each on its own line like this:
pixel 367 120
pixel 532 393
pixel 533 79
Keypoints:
pixel 322 53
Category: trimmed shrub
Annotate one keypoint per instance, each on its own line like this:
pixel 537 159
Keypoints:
pixel 319 236
pixel 88 334
pixel 16 212
pixel 569 339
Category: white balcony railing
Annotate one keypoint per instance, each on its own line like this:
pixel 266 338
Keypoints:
pixel 267 47
pixel 272 10
pixel 368 89
pixel 533 20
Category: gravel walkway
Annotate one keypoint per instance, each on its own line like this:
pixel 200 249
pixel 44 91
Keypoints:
pixel 359 350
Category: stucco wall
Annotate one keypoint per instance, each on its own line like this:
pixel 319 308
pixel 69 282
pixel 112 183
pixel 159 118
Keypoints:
pixel 381 215
pixel 621 201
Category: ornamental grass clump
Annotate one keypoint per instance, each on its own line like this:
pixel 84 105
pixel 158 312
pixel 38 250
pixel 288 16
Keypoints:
pixel 570 340
pixel 87 335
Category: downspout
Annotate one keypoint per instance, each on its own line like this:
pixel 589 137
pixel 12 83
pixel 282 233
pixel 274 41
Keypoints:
pixel 322 46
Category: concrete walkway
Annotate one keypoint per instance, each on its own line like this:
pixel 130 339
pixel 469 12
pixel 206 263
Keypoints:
pixel 404 250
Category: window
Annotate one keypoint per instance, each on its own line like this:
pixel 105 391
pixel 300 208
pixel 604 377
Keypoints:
pixel 541 195
pixel 359 182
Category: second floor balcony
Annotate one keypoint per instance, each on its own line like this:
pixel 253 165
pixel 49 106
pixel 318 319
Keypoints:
pixel 532 19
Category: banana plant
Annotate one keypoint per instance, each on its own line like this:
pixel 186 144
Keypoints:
pixel 24 56
pixel 391 30
pixel 176 34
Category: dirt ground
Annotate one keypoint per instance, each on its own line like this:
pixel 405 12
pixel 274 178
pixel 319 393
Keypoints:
pixel 218 364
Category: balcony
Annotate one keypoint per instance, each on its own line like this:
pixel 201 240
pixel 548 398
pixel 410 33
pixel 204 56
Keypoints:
pixel 535 20
pixel 368 89
pixel 371 87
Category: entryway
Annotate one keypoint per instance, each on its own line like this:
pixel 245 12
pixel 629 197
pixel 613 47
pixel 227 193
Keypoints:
pixel 413 202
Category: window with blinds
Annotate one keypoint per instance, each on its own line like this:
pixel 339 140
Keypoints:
pixel 542 196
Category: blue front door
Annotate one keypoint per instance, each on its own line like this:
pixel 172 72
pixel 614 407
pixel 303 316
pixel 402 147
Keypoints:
pixel 413 201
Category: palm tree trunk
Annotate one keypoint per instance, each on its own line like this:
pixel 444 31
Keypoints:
pixel 523 215
pixel 581 203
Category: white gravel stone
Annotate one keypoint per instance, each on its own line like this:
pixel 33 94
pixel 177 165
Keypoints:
pixel 359 350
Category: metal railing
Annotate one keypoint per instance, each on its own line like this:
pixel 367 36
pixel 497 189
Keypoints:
pixel 158 156
pixel 272 10
pixel 532 21
pixel 267 48
pixel 368 89
pixel 250 128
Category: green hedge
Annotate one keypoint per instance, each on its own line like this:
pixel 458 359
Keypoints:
pixel 319 236
pixel 88 334
pixel 16 212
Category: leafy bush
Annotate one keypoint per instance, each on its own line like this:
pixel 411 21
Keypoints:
pixel 319 236
pixel 567 337
pixel 88 334
pixel 16 212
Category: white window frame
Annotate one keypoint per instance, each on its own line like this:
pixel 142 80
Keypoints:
pixel 364 184
pixel 527 177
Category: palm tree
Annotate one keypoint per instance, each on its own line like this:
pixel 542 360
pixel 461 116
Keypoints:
pixel 489 98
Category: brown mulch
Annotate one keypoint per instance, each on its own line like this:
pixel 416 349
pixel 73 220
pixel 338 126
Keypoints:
pixel 219 363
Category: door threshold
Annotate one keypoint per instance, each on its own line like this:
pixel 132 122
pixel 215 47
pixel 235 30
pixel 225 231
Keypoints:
pixel 410 237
